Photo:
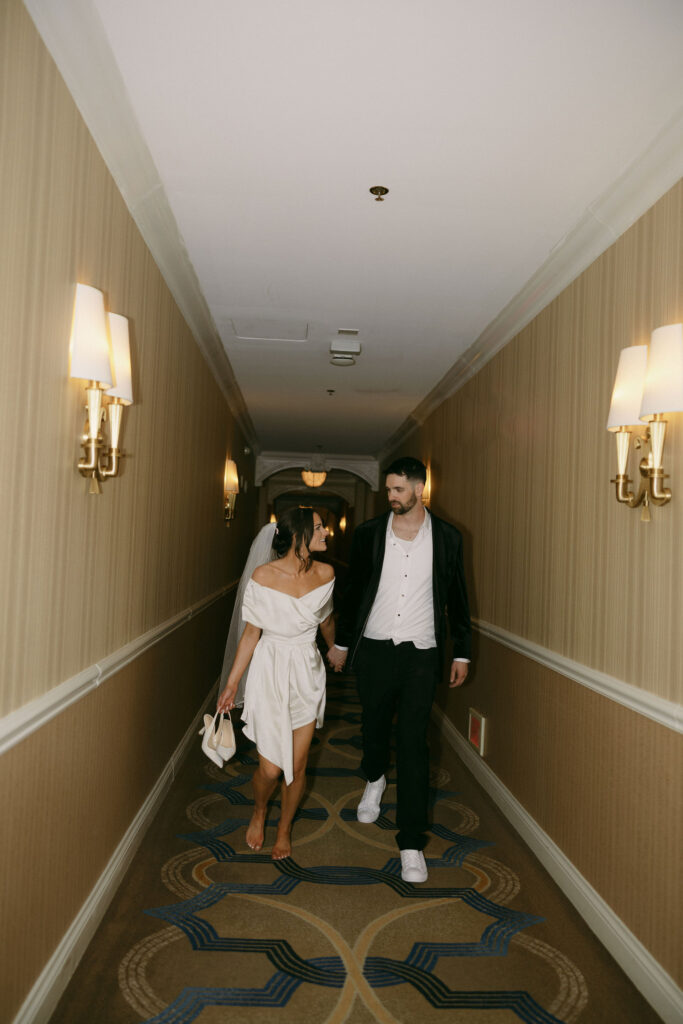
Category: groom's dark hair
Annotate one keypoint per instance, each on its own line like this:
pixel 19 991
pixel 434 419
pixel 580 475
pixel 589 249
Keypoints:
pixel 411 469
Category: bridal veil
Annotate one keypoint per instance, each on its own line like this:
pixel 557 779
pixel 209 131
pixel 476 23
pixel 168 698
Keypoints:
pixel 260 552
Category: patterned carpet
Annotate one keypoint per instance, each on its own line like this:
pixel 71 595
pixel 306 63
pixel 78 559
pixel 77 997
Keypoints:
pixel 202 929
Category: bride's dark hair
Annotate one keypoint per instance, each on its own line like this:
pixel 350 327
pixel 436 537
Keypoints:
pixel 296 524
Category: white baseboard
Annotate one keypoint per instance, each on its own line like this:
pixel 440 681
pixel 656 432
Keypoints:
pixel 41 1001
pixel 645 972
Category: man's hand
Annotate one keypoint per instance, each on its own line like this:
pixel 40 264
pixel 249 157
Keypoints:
pixel 458 672
pixel 336 658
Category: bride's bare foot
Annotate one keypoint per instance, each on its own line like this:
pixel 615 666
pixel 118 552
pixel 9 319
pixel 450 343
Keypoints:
pixel 283 846
pixel 256 830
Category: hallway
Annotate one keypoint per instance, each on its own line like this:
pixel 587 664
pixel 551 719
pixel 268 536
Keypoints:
pixel 203 929
pixel 207 174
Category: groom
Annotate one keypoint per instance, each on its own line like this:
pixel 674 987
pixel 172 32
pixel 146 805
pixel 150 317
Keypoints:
pixel 405 575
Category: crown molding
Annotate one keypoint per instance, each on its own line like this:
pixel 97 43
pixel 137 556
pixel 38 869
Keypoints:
pixel 364 466
pixel 75 37
pixel 638 188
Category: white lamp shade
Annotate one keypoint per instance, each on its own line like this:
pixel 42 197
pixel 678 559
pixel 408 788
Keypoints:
pixel 663 390
pixel 628 388
pixel 118 330
pixel 232 480
pixel 89 345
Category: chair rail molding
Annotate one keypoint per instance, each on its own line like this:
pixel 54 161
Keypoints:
pixel 19 724
pixel 665 712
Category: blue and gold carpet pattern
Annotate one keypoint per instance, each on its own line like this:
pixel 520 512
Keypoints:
pixel 333 934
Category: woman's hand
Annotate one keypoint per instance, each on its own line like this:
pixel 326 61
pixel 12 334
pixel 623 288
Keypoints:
pixel 226 700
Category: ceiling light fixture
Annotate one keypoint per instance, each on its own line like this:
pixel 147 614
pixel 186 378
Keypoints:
pixel 314 475
pixel 379 192
pixel 313 479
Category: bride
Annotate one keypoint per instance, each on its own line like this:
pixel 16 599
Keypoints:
pixel 277 669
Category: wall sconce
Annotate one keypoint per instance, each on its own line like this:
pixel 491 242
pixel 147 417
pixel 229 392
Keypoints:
pixel 99 353
pixel 231 489
pixel 342 524
pixel 273 518
pixel 427 492
pixel 647 385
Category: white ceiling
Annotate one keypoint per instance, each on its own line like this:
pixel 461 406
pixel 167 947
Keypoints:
pixel 501 129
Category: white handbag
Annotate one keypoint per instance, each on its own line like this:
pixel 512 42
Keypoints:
pixel 218 741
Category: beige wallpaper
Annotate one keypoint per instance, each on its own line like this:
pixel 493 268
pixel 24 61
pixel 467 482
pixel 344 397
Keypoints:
pixel 522 462
pixel 79 575
pixel 603 781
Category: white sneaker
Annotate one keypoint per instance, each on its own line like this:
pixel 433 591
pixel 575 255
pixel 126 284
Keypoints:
pixel 368 808
pixel 413 867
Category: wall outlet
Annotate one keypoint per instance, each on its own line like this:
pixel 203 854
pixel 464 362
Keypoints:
pixel 476 730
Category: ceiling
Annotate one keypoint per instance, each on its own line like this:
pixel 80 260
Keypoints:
pixel 517 141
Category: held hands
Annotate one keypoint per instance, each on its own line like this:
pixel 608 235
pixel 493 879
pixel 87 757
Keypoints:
pixel 458 673
pixel 336 658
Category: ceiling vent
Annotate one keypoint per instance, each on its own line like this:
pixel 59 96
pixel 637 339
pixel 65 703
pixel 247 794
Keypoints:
pixel 343 352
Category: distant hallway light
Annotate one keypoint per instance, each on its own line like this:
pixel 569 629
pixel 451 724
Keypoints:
pixel 313 478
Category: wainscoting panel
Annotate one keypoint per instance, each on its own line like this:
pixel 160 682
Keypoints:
pixel 604 782
pixel 72 789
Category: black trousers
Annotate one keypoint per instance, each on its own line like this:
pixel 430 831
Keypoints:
pixel 398 678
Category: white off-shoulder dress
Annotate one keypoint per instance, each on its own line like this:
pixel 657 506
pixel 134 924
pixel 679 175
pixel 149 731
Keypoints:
pixel 286 682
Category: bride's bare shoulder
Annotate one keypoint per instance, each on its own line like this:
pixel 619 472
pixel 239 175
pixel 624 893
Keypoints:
pixel 324 571
pixel 263 573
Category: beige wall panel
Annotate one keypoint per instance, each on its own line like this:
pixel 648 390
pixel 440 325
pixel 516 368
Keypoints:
pixel 80 576
pixel 522 462
pixel 604 782
pixel 71 790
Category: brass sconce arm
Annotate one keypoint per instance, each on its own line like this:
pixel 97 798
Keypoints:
pixel 112 459
pixel 651 472
pixel 659 495
pixel 92 437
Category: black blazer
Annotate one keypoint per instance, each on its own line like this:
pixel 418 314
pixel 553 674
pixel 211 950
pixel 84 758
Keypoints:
pixel 448 582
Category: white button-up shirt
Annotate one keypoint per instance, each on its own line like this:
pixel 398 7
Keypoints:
pixel 403 608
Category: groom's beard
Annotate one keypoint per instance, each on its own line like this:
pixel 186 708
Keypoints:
pixel 400 509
